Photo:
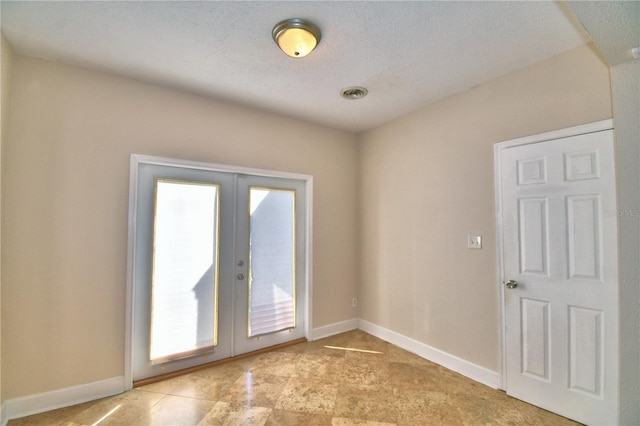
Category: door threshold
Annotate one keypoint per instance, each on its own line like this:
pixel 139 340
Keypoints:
pixel 155 379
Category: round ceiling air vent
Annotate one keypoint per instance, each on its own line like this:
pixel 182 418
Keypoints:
pixel 354 92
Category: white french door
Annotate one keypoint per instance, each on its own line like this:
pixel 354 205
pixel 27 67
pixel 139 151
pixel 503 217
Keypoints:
pixel 559 259
pixel 218 264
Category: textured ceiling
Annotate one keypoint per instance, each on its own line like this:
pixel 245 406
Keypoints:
pixel 408 54
pixel 613 25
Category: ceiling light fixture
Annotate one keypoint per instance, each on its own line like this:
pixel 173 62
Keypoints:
pixel 296 37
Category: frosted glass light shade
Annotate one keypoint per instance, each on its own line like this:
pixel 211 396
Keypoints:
pixel 296 37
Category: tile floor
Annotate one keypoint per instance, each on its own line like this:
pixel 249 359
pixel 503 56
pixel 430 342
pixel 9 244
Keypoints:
pixel 309 384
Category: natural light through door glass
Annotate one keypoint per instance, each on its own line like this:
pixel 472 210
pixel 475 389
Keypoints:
pixel 185 261
pixel 271 260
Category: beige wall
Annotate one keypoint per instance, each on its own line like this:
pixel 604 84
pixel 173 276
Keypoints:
pixel 426 182
pixel 66 198
pixel 6 69
pixel 625 79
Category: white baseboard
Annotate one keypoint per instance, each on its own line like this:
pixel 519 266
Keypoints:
pixel 459 365
pixel 335 328
pixel 33 404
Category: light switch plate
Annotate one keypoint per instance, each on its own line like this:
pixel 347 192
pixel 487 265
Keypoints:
pixel 474 242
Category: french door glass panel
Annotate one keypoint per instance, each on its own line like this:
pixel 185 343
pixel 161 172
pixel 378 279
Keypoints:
pixel 219 266
pixel 272 280
pixel 184 286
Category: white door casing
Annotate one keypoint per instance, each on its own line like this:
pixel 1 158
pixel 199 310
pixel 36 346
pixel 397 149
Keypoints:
pixel 558 233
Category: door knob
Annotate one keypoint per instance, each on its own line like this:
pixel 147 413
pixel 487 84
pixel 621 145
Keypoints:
pixel 511 284
pixel 240 276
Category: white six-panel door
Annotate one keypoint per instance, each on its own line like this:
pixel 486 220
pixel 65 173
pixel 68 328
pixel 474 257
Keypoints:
pixel 559 257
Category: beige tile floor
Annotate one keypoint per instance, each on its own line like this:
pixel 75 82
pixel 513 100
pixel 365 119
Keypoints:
pixel 309 384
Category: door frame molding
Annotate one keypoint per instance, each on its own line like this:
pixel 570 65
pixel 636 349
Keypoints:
pixel 135 161
pixel 498 149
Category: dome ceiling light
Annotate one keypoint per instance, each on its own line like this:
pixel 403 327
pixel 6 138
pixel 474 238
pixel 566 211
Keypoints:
pixel 296 37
